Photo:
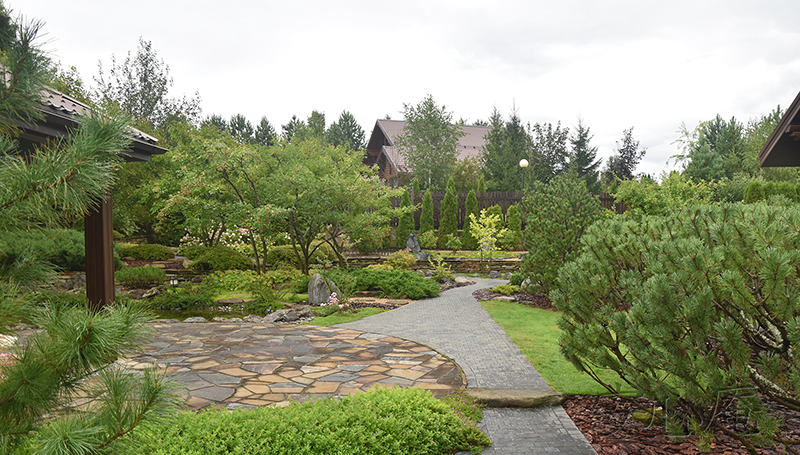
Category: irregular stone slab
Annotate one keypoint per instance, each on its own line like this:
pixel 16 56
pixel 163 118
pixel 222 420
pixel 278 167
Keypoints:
pixel 338 377
pixel 516 398
pixel 195 320
pixel 214 393
pixel 219 378
pixel 231 301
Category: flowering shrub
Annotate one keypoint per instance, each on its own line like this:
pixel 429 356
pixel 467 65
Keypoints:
pixel 333 305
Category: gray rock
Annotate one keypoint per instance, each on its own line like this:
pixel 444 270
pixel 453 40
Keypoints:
pixel 195 320
pixel 505 298
pixel 234 320
pixel 253 318
pixel 218 319
pixel 305 312
pixel 319 289
pixel 413 244
pixel 281 316
pixel 462 279
pixel 494 274
pixel 150 293
pixel 231 301
pixel 79 281
pixel 423 256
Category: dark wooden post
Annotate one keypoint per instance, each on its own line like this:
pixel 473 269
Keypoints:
pixel 99 241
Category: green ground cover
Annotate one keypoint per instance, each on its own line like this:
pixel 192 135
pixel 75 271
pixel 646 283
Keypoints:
pixel 340 318
pixel 536 334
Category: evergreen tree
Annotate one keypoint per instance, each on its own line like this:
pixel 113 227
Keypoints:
pixel 426 217
pixel 241 129
pixel 583 159
pixel 405 225
pixel 265 133
pixel 627 156
pixel 468 241
pixel 482 185
pixel 498 211
pixel 76 344
pixel 549 154
pixel 451 185
pixel 415 186
pixel 506 144
pixel 448 220
pixel 346 132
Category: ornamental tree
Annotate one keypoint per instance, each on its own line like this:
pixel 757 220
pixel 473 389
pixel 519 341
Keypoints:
pixel 488 229
pixel 697 309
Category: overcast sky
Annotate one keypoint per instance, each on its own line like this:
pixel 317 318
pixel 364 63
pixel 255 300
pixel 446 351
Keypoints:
pixel 617 64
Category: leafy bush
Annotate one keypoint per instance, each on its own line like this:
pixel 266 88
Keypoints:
pixel 138 277
pixel 505 289
pixel 427 240
pixel 193 251
pixel 221 258
pixel 402 420
pixel 368 237
pixel 696 309
pixel 558 214
pixel 146 252
pixel 283 255
pixel 676 190
pixel 188 297
pixel 754 192
pixel 401 260
pixel 442 270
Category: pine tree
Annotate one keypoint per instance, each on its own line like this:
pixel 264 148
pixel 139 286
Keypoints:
pixel 405 226
pixel 447 217
pixel 75 343
pixel 426 217
pixel 468 241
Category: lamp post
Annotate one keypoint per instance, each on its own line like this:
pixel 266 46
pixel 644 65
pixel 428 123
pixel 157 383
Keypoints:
pixel 523 163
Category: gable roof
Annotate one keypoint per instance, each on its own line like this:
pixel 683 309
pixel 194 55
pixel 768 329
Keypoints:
pixel 782 148
pixel 382 141
pixel 61 114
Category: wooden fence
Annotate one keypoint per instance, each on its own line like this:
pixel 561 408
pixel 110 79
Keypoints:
pixel 504 199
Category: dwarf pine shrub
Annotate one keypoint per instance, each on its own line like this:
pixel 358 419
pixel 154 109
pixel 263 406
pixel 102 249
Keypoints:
pixel 698 309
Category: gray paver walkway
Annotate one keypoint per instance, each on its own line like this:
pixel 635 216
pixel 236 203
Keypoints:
pixel 456 325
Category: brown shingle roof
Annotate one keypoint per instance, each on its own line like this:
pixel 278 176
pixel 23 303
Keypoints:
pixel 782 148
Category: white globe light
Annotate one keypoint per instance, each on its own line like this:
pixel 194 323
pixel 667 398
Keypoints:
pixel 523 163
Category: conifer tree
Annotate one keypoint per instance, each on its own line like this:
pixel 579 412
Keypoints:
pixel 75 343
pixel 447 217
pixel 426 217
pixel 468 241
pixel 405 225
pixel 513 239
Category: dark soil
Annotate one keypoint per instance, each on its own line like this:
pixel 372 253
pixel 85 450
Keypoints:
pixel 607 424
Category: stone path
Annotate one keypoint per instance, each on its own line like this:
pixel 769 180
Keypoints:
pixel 456 325
pixel 244 364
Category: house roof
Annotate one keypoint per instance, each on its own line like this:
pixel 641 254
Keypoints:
pixel 60 118
pixel 782 148
pixel 386 131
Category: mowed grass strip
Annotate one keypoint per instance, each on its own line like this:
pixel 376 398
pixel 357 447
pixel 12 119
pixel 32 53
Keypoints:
pixel 535 332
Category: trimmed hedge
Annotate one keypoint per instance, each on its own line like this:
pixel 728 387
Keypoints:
pixel 220 258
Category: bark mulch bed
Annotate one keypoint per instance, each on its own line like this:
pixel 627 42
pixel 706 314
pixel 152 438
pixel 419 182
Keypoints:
pixel 607 424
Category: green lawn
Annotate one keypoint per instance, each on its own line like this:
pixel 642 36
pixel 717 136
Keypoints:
pixel 536 334
pixel 340 318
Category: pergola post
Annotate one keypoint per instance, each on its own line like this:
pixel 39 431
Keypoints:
pixel 99 241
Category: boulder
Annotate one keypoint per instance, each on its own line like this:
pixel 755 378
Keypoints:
pixel 516 398
pixel 150 293
pixel 423 256
pixel 281 316
pixel 413 244
pixel 231 301
pixel 79 281
pixel 253 318
pixel 195 320
pixel 305 312
pixel 320 288
pixel 494 274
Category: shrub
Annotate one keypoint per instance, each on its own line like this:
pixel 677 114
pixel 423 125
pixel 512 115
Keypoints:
pixel 426 217
pixel 505 289
pixel 401 260
pixel 394 283
pixel 676 190
pixel 401 420
pixel 368 237
pixel 405 225
pixel 517 278
pixel 513 238
pixel 427 240
pixel 63 248
pixel 696 309
pixel 139 277
pixel 188 297
pixel 146 252
pixel 558 214
pixel 193 251
pixel 468 241
pixel 754 192
pixel 497 210
pixel 221 258
pixel 442 270
pixel 452 242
